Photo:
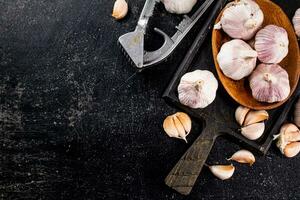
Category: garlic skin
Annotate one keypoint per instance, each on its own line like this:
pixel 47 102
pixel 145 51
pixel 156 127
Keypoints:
pixel 241 19
pixel 197 89
pixel 256 116
pixel 120 9
pixel 179 6
pixel 223 172
pixel 292 149
pixel 178 125
pixel 288 133
pixel 236 59
pixel 272 44
pixel 243 156
pixel 254 131
pixel 296 22
pixel 297 113
pixel 240 114
pixel 269 83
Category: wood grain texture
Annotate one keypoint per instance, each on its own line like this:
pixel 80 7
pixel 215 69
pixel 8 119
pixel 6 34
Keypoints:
pixel 240 90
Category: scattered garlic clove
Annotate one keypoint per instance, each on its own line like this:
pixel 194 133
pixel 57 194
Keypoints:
pixel 240 114
pixel 297 113
pixel 236 59
pixel 296 22
pixel 178 125
pixel 120 9
pixel 288 133
pixel 272 44
pixel 253 131
pixel 269 83
pixel 223 172
pixel 197 89
pixel 255 117
pixel 292 149
pixel 179 6
pixel 243 156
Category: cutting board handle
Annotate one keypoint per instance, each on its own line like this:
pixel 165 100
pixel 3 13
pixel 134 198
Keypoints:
pixel 185 173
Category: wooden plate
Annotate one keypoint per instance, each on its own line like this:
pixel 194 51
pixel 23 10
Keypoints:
pixel 240 90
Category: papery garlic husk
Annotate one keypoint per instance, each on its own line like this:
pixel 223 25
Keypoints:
pixel 297 113
pixel 236 59
pixel 223 172
pixel 292 149
pixel 197 89
pixel 272 44
pixel 241 19
pixel 256 116
pixel 269 83
pixel 179 6
pixel 296 22
pixel 253 131
pixel 240 114
pixel 120 9
pixel 178 125
pixel 288 133
pixel 243 156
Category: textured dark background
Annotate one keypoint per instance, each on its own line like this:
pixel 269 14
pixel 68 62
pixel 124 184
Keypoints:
pixel 75 123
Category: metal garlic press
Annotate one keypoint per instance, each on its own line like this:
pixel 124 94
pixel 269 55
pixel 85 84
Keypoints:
pixel 133 42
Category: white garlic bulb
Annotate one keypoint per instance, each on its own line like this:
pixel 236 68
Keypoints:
pixel 237 59
pixel 197 89
pixel 269 83
pixel 296 22
pixel 179 6
pixel 297 113
pixel 120 9
pixel 241 19
pixel 272 44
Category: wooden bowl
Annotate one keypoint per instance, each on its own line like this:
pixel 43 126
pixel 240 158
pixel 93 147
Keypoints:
pixel 240 90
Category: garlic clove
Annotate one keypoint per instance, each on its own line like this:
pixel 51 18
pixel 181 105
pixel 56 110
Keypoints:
pixel 272 44
pixel 197 89
pixel 297 113
pixel 169 127
pixel 288 133
pixel 120 9
pixel 185 120
pixel 292 149
pixel 179 6
pixel 253 131
pixel 296 22
pixel 269 83
pixel 180 128
pixel 240 114
pixel 255 117
pixel 243 156
pixel 223 172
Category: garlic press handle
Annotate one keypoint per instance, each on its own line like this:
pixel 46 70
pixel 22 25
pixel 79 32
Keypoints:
pixel 147 12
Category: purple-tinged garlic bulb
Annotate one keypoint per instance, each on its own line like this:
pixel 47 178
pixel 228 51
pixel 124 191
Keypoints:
pixel 237 59
pixel 241 19
pixel 296 22
pixel 272 44
pixel 197 89
pixel 179 6
pixel 269 83
pixel 297 113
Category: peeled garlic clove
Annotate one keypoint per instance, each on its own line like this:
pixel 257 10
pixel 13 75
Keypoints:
pixel 120 9
pixel 179 6
pixel 197 89
pixel 236 59
pixel 288 133
pixel 178 125
pixel 243 156
pixel 269 83
pixel 296 22
pixel 241 19
pixel 223 172
pixel 272 44
pixel 292 149
pixel 297 113
pixel 256 116
pixel 253 131
pixel 240 114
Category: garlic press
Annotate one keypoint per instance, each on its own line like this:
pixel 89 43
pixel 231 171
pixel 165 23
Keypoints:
pixel 133 42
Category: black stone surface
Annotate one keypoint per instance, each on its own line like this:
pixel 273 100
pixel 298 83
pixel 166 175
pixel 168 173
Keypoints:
pixel 76 123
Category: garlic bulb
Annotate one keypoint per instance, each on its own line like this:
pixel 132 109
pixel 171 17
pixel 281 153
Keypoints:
pixel 292 149
pixel 197 89
pixel 241 19
pixel 237 59
pixel 178 125
pixel 179 6
pixel 223 172
pixel 253 131
pixel 256 116
pixel 269 83
pixel 272 44
pixel 297 113
pixel 296 22
pixel 120 9
pixel 243 156
pixel 240 114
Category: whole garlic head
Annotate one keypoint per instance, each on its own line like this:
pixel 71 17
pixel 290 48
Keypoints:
pixel 237 59
pixel 241 19
pixel 197 89
pixel 179 6
pixel 269 83
pixel 296 22
pixel 272 44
